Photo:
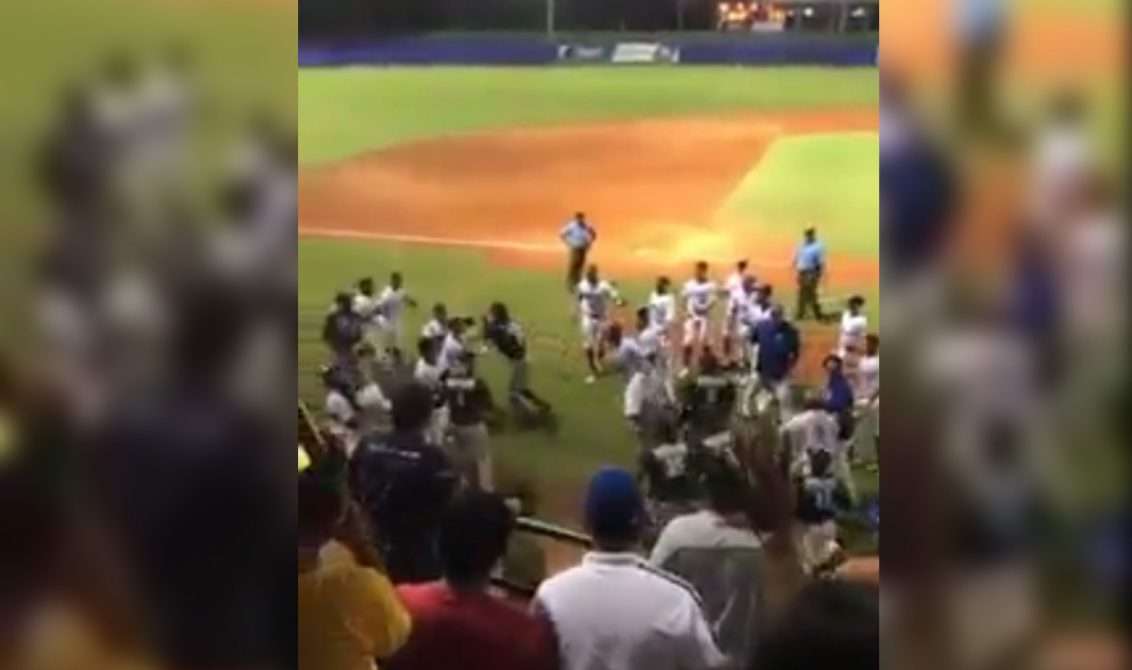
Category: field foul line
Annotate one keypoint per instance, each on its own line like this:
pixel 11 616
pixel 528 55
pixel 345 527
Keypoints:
pixel 345 233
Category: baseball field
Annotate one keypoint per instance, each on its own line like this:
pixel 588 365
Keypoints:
pixel 461 178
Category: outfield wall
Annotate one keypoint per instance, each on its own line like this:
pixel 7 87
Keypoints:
pixel 521 49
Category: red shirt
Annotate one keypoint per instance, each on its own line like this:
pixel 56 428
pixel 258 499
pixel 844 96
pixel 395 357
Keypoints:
pixel 470 631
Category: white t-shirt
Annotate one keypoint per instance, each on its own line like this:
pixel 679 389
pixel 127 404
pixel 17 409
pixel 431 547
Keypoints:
pixel 853 331
pixel 631 356
pixel 392 302
pixel 812 430
pixel 451 352
pixel 595 298
pixel 338 407
pixel 736 296
pixel 371 397
pixel 366 306
pixel 651 340
pixel 427 373
pixel 662 309
pixel 616 612
pixel 755 312
pixel 700 296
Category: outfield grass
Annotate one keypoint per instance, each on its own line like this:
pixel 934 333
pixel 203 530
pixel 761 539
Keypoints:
pixel 829 180
pixel 350 110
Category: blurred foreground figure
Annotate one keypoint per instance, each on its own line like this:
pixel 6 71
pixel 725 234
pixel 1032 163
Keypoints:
pixel 1005 310
pixel 162 366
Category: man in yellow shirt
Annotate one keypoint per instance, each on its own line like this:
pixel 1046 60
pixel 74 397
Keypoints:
pixel 349 614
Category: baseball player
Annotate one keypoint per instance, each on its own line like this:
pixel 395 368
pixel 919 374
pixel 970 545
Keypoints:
pixel 508 338
pixel 662 314
pixel 469 403
pixel 367 306
pixel 436 328
pixel 392 302
pixel 454 348
pixel 579 236
pixel 429 374
pixel 699 294
pixel 594 295
pixel 736 303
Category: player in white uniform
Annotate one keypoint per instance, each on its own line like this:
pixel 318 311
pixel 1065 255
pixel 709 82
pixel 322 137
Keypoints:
pixel 867 395
pixel 699 294
pixel 368 306
pixel 393 300
pixel 736 299
pixel 854 326
pixel 594 295
pixel 436 328
pixel 454 349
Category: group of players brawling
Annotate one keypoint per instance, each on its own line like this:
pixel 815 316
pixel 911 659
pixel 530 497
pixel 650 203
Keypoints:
pixel 699 360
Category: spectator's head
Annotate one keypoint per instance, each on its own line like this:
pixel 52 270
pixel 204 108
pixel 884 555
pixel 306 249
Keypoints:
pixel 810 234
pixel 426 349
pixel 830 624
pixel 663 284
pixel 872 344
pixel 750 285
pixel 440 312
pixel 499 312
pixel 396 281
pixel 642 318
pixel 592 275
pixel 321 507
pixel 741 266
pixel 473 538
pixel 365 286
pixel 614 509
pixel 832 363
pixel 342 302
pixel 412 406
pixel 855 304
pixel 580 217
pixel 765 292
pixel 776 314
pixel 701 270
pixel 727 491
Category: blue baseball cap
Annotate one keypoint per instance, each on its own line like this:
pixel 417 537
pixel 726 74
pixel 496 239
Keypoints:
pixel 613 503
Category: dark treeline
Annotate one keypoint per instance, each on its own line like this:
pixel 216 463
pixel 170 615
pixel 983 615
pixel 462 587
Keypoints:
pixel 367 17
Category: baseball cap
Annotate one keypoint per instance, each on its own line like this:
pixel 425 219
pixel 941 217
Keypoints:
pixel 613 504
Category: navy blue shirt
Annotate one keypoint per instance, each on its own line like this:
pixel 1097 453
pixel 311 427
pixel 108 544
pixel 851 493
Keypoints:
pixel 778 348
pixel 838 393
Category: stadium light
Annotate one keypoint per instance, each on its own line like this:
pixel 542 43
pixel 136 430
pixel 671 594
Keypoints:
pixel 808 12
pixel 858 12
pixel 723 7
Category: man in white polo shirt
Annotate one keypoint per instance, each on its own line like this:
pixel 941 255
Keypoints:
pixel 616 612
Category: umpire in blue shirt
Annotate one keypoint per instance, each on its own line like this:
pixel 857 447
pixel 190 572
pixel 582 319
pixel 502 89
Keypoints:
pixel 809 262
pixel 579 236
